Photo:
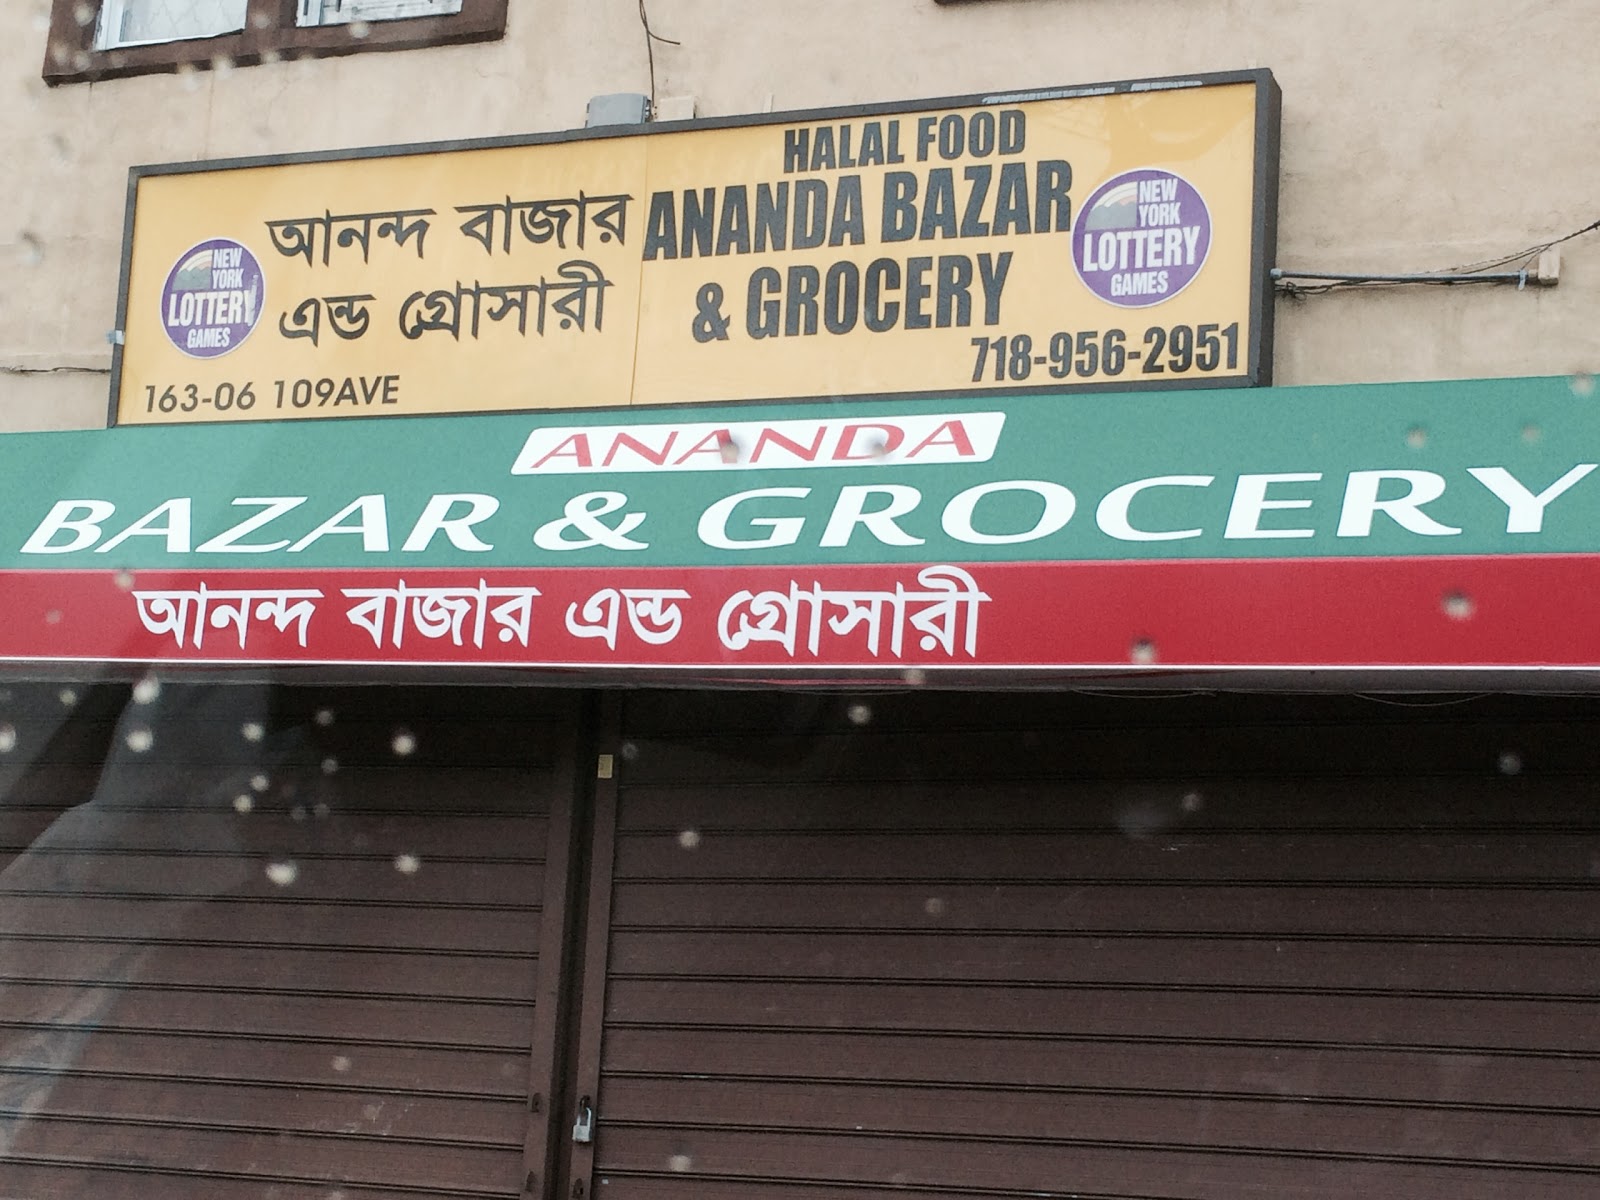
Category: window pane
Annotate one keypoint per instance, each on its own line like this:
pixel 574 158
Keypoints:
pixel 169 20
pixel 341 12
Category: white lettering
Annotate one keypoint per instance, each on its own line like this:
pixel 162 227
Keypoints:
pixel 1059 505
pixel 85 529
pixel 1526 511
pixel 785 531
pixel 175 517
pixel 273 507
pixel 1112 515
pixel 847 514
pixel 1361 503
pixel 436 518
pixel 373 526
pixel 1250 501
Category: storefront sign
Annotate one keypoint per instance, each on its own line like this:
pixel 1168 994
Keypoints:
pixel 1105 237
pixel 1421 525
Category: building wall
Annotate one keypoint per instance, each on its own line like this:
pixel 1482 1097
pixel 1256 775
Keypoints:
pixel 1416 136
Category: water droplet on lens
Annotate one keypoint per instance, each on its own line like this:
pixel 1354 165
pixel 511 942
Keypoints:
pixel 407 864
pixel 8 738
pixel 1416 437
pixel 324 717
pixel 1142 652
pixel 1458 606
pixel 680 1163
pixel 297 813
pixel 123 579
pixel 243 803
pixel 1531 433
pixel 341 1063
pixel 1192 802
pixel 1510 762
pixel 859 714
pixel 1141 818
pixel 915 676
pixel 147 690
pixel 283 872
pixel 1582 383
pixel 140 739
pixel 253 731
pixel 630 751
pixel 934 906
pixel 320 811
pixel 53 617
pixel 728 448
pixel 260 782
pixel 30 250
pixel 359 29
pixel 403 743
pixel 68 697
pixel 83 14
pixel 689 839
pixel 330 765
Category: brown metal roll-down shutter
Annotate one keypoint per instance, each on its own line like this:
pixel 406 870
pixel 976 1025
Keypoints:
pixel 1197 948
pixel 285 944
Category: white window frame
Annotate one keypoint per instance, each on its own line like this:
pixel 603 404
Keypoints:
pixel 344 12
pixel 112 13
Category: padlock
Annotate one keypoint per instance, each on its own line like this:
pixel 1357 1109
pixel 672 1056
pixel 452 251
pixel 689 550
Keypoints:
pixel 583 1127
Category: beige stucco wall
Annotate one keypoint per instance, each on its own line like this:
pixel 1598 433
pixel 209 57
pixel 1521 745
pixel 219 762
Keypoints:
pixel 1417 135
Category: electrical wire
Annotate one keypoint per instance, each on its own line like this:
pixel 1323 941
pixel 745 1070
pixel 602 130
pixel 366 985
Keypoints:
pixel 1445 702
pixel 651 37
pixel 1531 253
pixel 1479 272
pixel 1288 281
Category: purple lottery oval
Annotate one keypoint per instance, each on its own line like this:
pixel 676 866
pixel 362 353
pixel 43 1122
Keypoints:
pixel 1141 238
pixel 212 298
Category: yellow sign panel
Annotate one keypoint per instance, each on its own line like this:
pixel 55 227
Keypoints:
pixel 1102 237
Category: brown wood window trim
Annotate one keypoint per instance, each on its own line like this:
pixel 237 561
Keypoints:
pixel 269 33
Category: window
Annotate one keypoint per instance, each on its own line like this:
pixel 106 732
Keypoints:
pixel 344 12
pixel 142 22
pixel 99 40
